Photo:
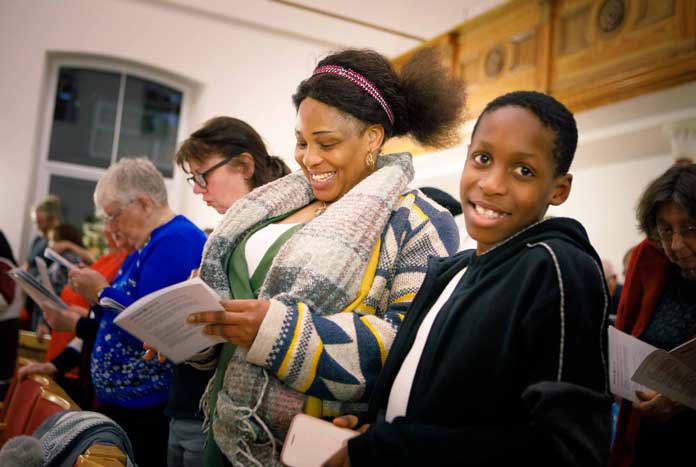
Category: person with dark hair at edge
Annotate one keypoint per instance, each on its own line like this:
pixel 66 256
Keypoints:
pixel 500 359
pixel 320 265
pixel 658 306
pixel 10 304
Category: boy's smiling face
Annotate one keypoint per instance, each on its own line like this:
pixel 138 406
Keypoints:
pixel 509 177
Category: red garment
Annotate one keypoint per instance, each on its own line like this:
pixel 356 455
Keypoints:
pixel 108 265
pixel 646 279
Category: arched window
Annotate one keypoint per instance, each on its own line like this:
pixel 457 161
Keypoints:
pixel 97 113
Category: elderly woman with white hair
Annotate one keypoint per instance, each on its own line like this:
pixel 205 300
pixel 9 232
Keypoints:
pixel 133 201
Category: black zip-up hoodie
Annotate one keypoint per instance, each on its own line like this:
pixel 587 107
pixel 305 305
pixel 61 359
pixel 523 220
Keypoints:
pixel 514 368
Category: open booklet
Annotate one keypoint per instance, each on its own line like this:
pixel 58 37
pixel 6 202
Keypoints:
pixel 34 288
pixel 159 318
pixel 636 366
pixel 53 255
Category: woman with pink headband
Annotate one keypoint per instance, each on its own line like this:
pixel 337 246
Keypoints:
pixel 318 268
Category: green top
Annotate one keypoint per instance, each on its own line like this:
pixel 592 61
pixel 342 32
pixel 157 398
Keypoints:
pixel 242 287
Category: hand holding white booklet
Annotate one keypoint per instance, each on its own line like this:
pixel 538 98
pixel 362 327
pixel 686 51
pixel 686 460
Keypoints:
pixel 635 365
pixel 311 441
pixel 159 319
pixel 34 288
pixel 53 255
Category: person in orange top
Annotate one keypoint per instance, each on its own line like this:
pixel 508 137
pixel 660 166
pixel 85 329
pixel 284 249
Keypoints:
pixel 107 265
pixel 79 383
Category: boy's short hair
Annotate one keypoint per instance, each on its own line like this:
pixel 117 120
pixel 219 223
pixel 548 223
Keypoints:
pixel 552 114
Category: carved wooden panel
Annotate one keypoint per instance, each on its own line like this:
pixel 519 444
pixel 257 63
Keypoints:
pixel 444 43
pixel 586 53
pixel 607 50
pixel 504 50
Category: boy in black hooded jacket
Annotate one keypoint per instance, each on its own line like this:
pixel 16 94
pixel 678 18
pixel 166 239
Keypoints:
pixel 501 358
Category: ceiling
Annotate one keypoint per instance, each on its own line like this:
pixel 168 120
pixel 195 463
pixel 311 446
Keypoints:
pixel 296 19
pixel 424 19
pixel 621 131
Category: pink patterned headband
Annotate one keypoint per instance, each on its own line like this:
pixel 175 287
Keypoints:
pixel 360 81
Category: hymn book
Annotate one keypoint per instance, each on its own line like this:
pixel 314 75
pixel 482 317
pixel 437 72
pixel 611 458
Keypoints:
pixel 635 365
pixel 35 289
pixel 53 255
pixel 159 318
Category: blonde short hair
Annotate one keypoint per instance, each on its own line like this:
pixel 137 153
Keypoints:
pixel 50 206
pixel 128 178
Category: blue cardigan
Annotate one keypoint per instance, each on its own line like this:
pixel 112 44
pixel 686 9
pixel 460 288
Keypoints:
pixel 120 375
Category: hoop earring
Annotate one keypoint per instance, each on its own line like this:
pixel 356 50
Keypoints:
pixel 371 160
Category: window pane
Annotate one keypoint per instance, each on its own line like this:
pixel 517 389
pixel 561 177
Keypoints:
pixel 75 198
pixel 84 117
pixel 150 123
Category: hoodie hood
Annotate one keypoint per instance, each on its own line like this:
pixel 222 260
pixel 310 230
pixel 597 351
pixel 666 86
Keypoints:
pixel 551 229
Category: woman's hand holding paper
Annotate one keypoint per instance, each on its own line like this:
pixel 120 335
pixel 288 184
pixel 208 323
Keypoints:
pixel 61 319
pixel 150 353
pixel 87 282
pixel 239 323
pixel 656 405
pixel 43 368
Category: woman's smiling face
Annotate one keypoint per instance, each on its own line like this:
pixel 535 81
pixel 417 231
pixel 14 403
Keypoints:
pixel 332 147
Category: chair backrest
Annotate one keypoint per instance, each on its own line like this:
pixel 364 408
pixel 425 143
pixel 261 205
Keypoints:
pixel 8 398
pixel 10 391
pixel 46 405
pixel 21 406
pixel 102 455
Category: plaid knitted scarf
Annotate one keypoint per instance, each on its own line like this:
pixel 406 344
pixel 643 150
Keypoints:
pixel 321 266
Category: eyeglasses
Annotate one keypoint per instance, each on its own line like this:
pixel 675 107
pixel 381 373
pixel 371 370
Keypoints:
pixel 666 233
pixel 200 178
pixel 111 218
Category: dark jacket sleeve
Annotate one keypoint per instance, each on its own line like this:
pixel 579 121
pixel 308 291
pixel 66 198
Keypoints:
pixel 566 425
pixel 86 328
pixel 68 359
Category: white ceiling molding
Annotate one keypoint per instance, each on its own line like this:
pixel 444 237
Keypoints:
pixel 422 19
pixel 682 138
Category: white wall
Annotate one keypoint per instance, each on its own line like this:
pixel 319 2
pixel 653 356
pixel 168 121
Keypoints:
pixel 604 199
pixel 241 70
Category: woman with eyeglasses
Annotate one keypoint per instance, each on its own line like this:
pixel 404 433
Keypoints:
pixel 658 305
pixel 318 268
pixel 226 159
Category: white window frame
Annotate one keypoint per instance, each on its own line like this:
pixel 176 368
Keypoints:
pixel 46 168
